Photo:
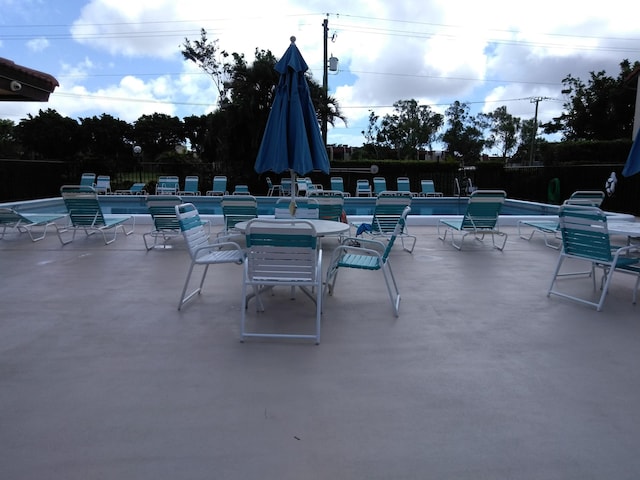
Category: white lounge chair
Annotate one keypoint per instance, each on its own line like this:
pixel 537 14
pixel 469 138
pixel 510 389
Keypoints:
pixel 25 222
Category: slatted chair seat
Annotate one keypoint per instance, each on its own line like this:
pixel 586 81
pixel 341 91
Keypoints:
pixel 25 222
pixel 281 253
pixel 480 219
pixel 85 213
pixel 201 251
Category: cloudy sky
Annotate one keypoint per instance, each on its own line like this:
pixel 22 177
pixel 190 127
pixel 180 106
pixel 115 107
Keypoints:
pixel 122 57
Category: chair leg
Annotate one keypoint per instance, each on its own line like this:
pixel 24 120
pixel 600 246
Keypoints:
pixel 394 294
pixel 184 298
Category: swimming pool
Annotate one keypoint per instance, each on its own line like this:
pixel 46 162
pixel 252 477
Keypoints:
pixel 424 210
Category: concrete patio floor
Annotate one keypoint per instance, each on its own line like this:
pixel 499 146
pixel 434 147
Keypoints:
pixel 481 377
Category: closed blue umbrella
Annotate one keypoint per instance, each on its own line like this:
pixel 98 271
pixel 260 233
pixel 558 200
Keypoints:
pixel 292 140
pixel 632 166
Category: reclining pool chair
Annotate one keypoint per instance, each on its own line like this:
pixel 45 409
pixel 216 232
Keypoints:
pixel 480 219
pixel 389 208
pixel 236 209
pixel 550 229
pixel 162 209
pixel 85 213
pixel 25 222
pixel 201 251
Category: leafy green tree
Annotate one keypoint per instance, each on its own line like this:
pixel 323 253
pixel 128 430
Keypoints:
pixel 601 109
pixel 48 135
pixel 106 139
pixel 464 137
pixel 410 128
pixel 210 59
pixel 158 133
pixel 504 130
pixel 371 133
pixel 7 138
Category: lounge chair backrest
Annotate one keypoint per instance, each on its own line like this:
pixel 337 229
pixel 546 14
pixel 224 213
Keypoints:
pixel 163 211
pixel 191 184
pixel 403 184
pixel 219 186
pixel 137 188
pixel 330 204
pixel 337 183
pixel 238 208
pixel 103 184
pixel 389 208
pixel 167 185
pixel 592 198
pixel 88 179
pixel 285 187
pixel 83 205
pixel 241 190
pixel 584 232
pixel 427 187
pixel 379 185
pixel 306 208
pixel 483 209
pixel 397 231
pixel 363 186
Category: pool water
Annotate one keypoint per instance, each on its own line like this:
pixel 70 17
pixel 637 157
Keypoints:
pixel 358 206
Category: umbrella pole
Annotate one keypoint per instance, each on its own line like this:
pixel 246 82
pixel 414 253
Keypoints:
pixel 292 204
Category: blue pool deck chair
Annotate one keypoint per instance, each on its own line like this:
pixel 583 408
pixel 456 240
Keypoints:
pixel 287 254
pixel 201 251
pixel 219 186
pixel 162 209
pixel 480 219
pixel 337 184
pixel 305 208
pixel 88 179
pixel 368 255
pixel 86 214
pixel 103 185
pixel 167 185
pixel 25 222
pixel 363 188
pixel 428 189
pixel 236 209
pixel 403 184
pixel 330 204
pixel 241 189
pixel 379 185
pixel 550 229
pixel 190 185
pixel 135 189
pixel 389 209
pixel 585 237
pixel 272 188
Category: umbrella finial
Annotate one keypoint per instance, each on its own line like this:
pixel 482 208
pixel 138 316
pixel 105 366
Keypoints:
pixel 293 39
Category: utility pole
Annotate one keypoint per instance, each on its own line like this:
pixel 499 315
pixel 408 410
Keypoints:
pixel 535 100
pixel 325 80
